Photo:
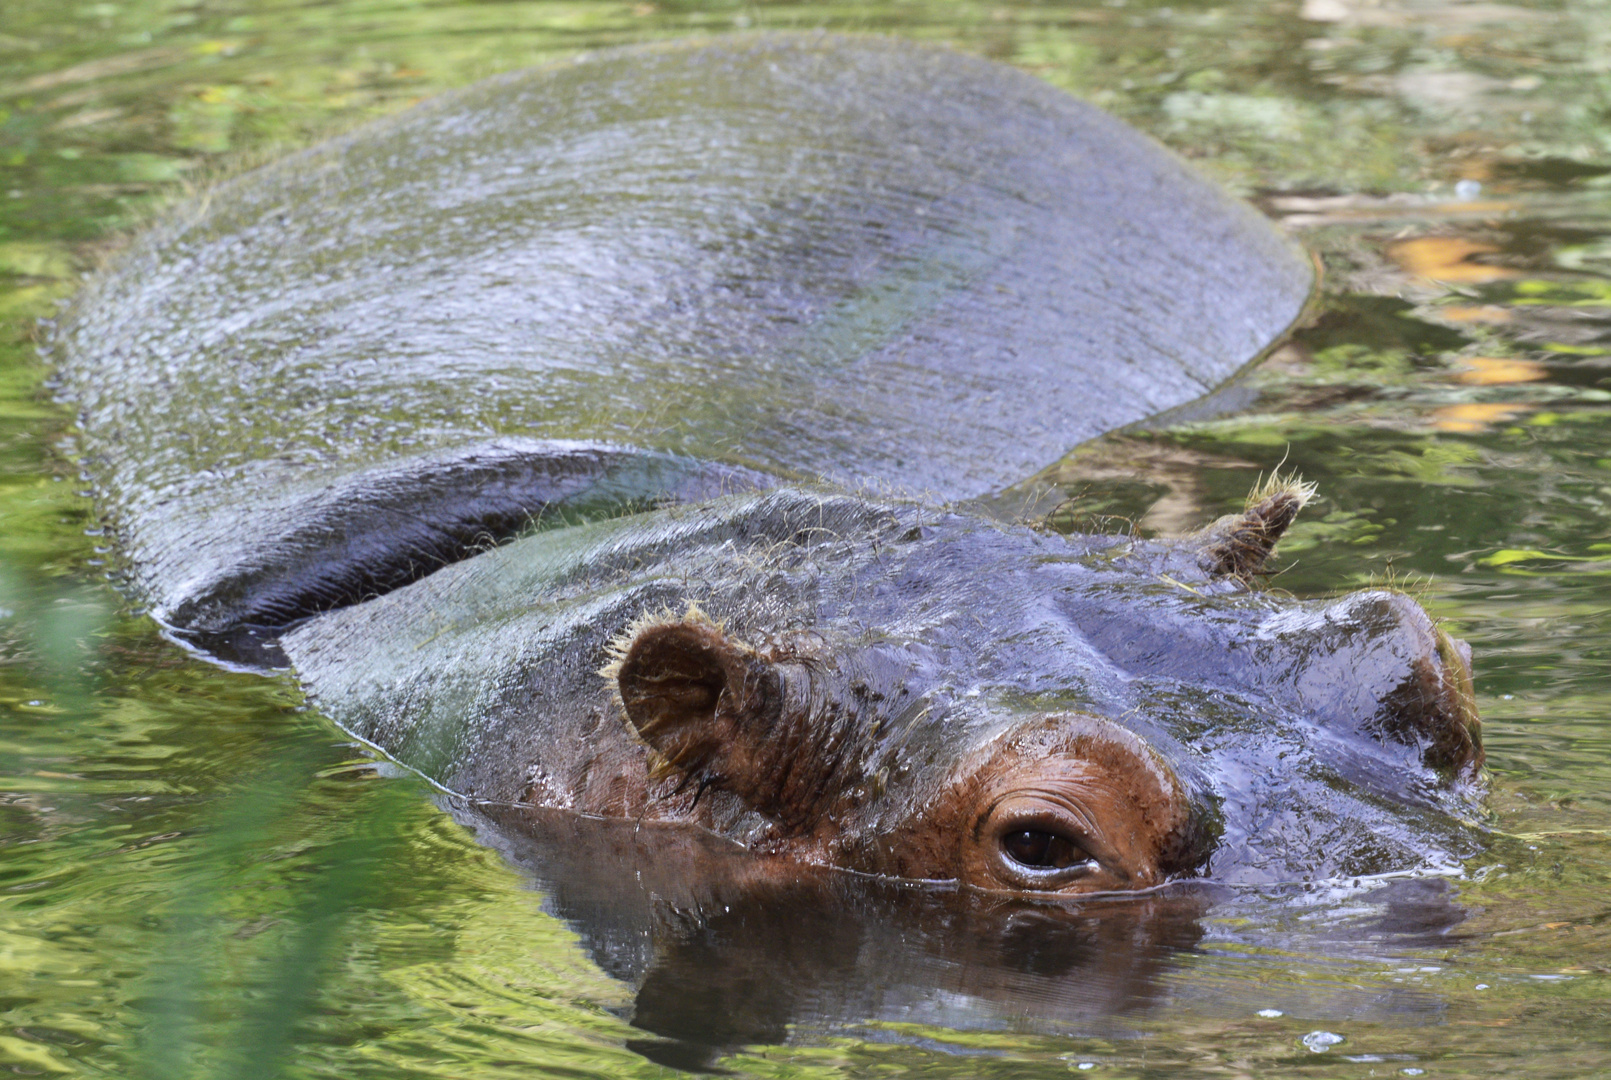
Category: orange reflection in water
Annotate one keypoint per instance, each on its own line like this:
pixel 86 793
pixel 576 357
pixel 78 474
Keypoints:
pixel 1478 313
pixel 1499 371
pixel 1446 258
pixel 1478 415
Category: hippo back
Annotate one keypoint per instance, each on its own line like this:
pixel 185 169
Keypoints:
pixel 841 257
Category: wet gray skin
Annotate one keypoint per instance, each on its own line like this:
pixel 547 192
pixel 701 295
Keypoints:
pixel 651 314
pixel 1320 739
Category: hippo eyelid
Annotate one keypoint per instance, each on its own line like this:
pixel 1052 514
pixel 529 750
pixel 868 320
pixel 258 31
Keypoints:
pixel 1045 852
pixel 1047 877
pixel 1056 877
pixel 1052 818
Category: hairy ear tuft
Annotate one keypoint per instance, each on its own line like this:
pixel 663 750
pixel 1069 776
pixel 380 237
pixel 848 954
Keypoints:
pixel 1238 545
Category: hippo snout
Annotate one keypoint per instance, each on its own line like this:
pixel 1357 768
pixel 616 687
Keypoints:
pixel 1454 722
pixel 1375 664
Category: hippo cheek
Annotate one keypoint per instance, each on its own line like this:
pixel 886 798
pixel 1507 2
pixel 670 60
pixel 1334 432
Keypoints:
pixel 1072 805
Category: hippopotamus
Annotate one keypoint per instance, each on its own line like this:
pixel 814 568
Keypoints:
pixel 612 439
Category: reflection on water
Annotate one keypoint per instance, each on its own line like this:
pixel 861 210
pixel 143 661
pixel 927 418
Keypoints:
pixel 723 953
pixel 198 878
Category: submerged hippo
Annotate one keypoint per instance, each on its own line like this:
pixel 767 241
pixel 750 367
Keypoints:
pixel 600 438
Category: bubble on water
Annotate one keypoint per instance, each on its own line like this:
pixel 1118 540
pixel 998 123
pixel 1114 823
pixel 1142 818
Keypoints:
pixel 1271 1014
pixel 1482 986
pixel 1466 190
pixel 1319 1042
pixel 1412 1071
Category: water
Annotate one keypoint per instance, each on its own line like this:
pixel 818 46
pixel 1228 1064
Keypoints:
pixel 200 878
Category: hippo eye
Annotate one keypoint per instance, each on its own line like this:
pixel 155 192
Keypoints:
pixel 1043 850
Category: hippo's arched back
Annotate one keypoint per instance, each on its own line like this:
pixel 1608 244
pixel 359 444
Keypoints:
pixel 850 258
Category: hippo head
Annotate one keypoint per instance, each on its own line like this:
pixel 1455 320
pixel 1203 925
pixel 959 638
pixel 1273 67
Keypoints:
pixel 926 693
pixel 1028 712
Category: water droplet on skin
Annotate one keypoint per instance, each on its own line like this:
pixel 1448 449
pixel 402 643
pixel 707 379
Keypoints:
pixel 1271 1014
pixel 1319 1042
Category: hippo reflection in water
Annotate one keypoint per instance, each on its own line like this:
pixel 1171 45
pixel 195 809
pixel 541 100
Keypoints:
pixel 537 429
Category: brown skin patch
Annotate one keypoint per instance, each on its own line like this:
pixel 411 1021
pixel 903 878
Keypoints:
pixel 1065 804
pixel 1069 805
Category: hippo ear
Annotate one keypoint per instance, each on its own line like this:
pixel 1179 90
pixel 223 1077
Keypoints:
pixel 721 714
pixel 1239 544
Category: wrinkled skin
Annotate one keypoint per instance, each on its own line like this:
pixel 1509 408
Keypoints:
pixel 523 428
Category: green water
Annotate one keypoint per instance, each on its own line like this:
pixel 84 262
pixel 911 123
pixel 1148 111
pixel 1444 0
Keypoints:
pixel 199 878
